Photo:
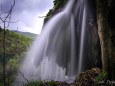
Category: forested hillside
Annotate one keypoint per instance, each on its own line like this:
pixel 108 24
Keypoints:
pixel 28 34
pixel 15 47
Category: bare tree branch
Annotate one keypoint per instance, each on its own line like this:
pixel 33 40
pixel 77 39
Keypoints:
pixel 24 77
pixel 10 11
pixel 13 21
pixel 8 21
pixel 5 20
pixel 43 16
pixel 1 19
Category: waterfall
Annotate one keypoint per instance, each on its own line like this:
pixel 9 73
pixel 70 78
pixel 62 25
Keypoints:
pixel 83 27
pixel 53 54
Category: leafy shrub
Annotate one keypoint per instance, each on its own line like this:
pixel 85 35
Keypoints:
pixel 102 76
pixel 34 83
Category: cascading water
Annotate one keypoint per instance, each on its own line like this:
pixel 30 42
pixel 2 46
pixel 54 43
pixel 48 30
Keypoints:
pixel 82 40
pixel 53 53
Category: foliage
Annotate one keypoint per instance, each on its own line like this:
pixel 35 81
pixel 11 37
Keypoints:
pixel 58 4
pixel 28 34
pixel 39 83
pixel 15 44
pixel 15 47
pixel 52 83
pixel 102 76
pixel 34 83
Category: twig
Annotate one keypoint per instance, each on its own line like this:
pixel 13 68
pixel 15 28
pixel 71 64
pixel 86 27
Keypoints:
pixel 24 77
pixel 43 16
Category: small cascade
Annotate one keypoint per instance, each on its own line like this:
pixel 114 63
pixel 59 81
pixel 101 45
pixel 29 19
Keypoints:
pixel 54 54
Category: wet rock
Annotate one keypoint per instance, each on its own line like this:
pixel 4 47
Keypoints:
pixel 87 78
pixel 106 83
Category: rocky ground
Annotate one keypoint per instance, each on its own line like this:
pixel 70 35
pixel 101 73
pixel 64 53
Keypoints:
pixel 92 77
pixel 84 79
pixel 87 78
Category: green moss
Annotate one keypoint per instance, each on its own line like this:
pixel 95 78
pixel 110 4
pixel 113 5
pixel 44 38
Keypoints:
pixel 102 76
pixel 58 4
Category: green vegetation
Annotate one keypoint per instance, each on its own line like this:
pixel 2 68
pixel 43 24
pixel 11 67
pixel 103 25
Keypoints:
pixel 28 34
pixel 58 5
pixel 102 76
pixel 15 47
pixel 40 83
pixel 15 44
pixel 34 83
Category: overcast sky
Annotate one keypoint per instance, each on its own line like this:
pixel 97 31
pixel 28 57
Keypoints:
pixel 27 12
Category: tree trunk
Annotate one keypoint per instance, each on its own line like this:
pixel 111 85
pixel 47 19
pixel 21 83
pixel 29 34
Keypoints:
pixel 104 34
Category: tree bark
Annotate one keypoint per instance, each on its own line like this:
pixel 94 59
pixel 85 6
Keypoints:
pixel 104 34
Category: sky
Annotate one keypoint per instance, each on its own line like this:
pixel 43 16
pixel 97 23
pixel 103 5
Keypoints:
pixel 28 13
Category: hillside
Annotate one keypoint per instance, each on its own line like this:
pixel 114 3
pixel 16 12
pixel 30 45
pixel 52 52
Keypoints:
pixel 28 34
pixel 15 47
pixel 15 43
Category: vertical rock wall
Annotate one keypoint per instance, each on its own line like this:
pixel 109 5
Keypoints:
pixel 92 52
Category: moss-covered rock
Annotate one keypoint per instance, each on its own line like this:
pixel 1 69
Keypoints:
pixel 58 6
pixel 87 78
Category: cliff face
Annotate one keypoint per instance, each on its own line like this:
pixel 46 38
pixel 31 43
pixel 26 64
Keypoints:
pixel 111 21
pixel 58 6
pixel 92 53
